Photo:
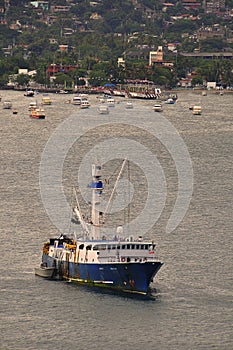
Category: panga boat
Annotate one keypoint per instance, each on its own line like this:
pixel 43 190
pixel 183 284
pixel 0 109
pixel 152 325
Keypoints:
pixel 196 110
pixel 157 107
pixel 123 264
pixel 37 113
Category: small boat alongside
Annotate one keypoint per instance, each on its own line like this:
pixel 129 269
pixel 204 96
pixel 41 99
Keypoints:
pixel 103 109
pixel 7 104
pixel 197 110
pixel 37 113
pixel 44 271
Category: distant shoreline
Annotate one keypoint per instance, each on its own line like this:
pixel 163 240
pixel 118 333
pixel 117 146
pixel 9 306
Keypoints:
pixel 91 90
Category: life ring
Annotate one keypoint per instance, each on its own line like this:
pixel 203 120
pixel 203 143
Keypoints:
pixel 122 259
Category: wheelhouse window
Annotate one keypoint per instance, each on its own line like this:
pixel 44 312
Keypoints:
pixel 100 247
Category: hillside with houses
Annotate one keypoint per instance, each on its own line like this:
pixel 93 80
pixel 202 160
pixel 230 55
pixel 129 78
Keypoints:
pixel 68 43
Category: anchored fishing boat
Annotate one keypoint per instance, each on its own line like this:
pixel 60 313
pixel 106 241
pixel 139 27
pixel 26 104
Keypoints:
pixel 124 264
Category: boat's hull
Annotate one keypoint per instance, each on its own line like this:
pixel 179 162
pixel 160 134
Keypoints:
pixel 141 95
pixel 127 277
pixel 37 116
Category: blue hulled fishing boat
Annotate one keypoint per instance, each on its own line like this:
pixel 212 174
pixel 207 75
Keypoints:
pixel 125 264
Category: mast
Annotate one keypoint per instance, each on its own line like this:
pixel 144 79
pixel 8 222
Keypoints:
pixel 97 186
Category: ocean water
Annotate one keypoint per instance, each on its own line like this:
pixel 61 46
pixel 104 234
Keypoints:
pixel 190 304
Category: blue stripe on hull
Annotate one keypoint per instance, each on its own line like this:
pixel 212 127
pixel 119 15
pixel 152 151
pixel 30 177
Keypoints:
pixel 131 277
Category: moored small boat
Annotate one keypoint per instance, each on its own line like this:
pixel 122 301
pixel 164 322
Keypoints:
pixel 157 107
pixel 37 113
pixel 129 105
pixel 191 106
pixel 32 105
pixel 46 100
pixel 170 101
pixel 197 110
pixel 110 101
pixel 84 103
pixel 103 109
pixel 7 104
pixel 29 93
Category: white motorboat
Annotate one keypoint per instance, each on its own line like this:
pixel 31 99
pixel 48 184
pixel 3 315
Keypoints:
pixel 129 105
pixel 103 109
pixel 157 107
pixel 197 110
pixel 7 104
pixel 84 103
pixel 111 102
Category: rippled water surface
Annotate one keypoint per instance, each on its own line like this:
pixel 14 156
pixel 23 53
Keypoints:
pixel 191 300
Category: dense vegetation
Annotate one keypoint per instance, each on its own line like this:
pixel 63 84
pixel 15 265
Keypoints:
pixel 95 43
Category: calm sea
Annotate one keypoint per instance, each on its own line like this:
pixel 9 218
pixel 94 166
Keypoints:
pixel 190 306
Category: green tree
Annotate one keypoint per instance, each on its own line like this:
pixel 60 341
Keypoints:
pixel 22 79
pixel 197 81
pixel 4 80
